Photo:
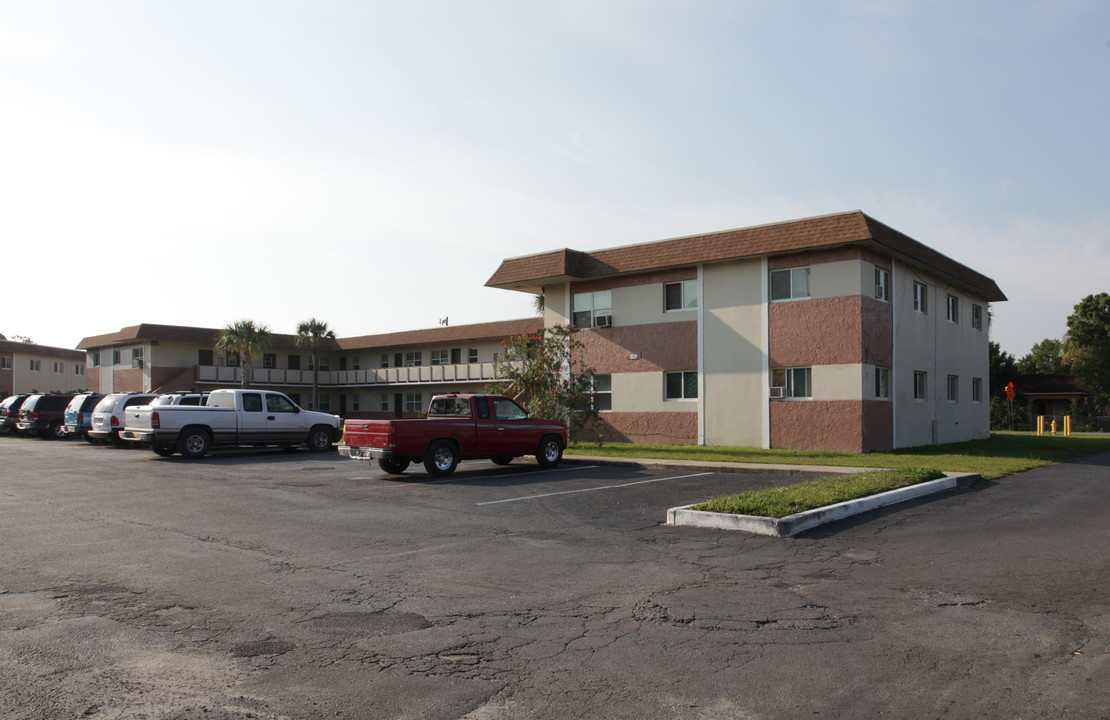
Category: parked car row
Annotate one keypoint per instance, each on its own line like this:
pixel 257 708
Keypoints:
pixel 189 423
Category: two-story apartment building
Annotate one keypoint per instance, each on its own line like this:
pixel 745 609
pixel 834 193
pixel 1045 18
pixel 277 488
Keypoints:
pixel 28 367
pixel 384 375
pixel 834 332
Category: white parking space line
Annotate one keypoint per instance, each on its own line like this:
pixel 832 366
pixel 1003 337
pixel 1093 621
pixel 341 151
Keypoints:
pixel 603 487
pixel 498 476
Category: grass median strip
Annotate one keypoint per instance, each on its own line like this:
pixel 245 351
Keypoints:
pixel 778 502
pixel 1000 455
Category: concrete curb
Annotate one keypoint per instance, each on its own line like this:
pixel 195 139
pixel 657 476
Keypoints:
pixel 794 524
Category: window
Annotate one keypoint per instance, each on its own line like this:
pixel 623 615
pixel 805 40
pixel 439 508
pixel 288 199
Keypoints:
pixel 920 298
pixel 385 360
pixel 233 359
pixel 882 285
pixel 384 406
pixel 115 357
pixel 588 307
pixel 78 369
pixel 5 363
pixel 58 368
pixel 601 397
pixel 354 402
pixel 953 388
pixel 977 317
pixel 94 359
pixel 414 402
pixel 294 362
pixel 413 359
pixel 472 355
pixel 35 365
pixel 790 284
pixel 681 385
pixel 504 409
pixel 356 363
pixel 795 382
pixel 920 385
pixel 279 404
pixel 323 402
pixel 204 357
pixel 680 295
pixel 269 360
pixel 976 390
pixel 252 402
pixel 882 382
pixel 325 364
pixel 136 354
pixel 953 315
pixel 440 357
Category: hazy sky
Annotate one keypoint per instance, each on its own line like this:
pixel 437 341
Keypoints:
pixel 371 163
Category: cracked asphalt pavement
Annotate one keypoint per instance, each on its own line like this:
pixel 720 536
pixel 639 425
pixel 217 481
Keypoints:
pixel 260 584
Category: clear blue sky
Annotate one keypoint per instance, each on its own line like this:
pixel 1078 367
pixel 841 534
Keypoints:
pixel 371 163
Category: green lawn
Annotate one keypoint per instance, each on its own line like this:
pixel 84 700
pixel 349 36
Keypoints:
pixel 1003 454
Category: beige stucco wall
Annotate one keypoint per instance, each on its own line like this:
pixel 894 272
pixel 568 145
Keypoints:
pixel 643 392
pixel 929 343
pixel 732 356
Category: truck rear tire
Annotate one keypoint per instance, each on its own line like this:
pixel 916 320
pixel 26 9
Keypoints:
pixel 441 459
pixel 550 451
pixel 194 443
pixel 319 438
pixel 394 466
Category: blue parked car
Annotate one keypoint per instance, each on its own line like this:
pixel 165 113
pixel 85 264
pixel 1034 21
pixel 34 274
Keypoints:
pixel 78 417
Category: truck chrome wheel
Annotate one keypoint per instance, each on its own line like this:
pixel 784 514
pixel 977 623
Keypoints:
pixel 441 459
pixel 550 452
pixel 194 444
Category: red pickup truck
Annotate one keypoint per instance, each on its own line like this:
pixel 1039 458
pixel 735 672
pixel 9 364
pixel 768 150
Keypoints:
pixel 458 427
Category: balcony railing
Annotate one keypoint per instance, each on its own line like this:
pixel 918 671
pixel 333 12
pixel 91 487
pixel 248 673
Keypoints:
pixel 468 372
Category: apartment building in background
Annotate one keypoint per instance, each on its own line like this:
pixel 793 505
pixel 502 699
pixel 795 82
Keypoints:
pixel 825 333
pixel 32 368
pixel 384 375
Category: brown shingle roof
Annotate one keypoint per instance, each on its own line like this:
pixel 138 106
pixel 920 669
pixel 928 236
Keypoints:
pixel 177 333
pixel 531 272
pixel 12 347
pixel 457 333
pixel 208 336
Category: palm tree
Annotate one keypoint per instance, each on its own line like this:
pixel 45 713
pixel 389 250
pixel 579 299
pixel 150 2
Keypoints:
pixel 247 339
pixel 312 333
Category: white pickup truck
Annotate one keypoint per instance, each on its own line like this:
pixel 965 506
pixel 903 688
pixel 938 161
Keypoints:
pixel 230 418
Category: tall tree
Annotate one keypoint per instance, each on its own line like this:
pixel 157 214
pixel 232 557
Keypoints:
pixel 1046 358
pixel 1003 367
pixel 1087 346
pixel 543 370
pixel 247 339
pixel 312 333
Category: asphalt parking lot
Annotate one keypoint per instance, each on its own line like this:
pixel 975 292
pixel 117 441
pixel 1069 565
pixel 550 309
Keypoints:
pixel 262 584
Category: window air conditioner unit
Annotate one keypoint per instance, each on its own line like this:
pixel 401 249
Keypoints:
pixel 136 362
pixel 778 393
pixel 603 321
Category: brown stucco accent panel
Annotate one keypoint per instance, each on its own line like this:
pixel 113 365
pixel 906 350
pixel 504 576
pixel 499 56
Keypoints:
pixel 827 331
pixel 662 276
pixel 878 335
pixel 172 379
pixel 878 425
pixel 817 425
pixel 659 346
pixel 129 380
pixel 668 428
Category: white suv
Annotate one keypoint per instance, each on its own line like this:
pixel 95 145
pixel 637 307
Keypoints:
pixel 107 418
